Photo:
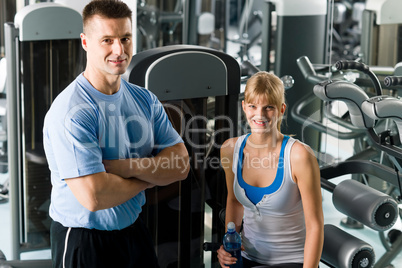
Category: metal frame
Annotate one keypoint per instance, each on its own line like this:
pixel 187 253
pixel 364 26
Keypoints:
pixel 192 104
pixel 32 23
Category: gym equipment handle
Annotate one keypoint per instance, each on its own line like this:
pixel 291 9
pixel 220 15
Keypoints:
pixel 344 65
pixel 393 81
pixel 209 246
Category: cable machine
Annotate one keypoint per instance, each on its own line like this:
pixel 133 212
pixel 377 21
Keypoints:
pixel 199 88
pixel 44 54
pixel 381 43
pixel 301 30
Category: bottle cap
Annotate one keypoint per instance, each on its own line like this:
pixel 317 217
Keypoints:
pixel 231 226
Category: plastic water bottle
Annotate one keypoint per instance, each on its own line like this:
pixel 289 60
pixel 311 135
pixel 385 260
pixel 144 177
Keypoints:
pixel 232 244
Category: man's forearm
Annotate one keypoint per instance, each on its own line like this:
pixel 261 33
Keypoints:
pixel 104 190
pixel 170 165
pixel 160 170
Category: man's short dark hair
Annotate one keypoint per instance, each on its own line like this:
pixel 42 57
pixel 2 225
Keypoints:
pixel 111 9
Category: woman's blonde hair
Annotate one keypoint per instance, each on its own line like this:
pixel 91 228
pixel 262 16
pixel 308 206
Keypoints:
pixel 268 86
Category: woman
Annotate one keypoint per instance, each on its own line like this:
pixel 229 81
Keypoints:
pixel 273 183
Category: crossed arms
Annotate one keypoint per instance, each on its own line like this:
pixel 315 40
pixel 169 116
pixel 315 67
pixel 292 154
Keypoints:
pixel 125 178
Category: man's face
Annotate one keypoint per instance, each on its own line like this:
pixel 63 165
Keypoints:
pixel 109 46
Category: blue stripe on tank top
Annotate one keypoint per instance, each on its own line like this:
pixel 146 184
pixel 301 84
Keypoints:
pixel 254 193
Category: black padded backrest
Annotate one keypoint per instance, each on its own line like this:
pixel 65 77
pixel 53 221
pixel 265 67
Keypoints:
pixel 349 93
pixel 187 75
pixel 185 71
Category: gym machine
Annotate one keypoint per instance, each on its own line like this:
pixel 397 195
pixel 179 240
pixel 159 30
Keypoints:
pixel 44 55
pixel 389 107
pixel 364 111
pixel 341 249
pixel 357 123
pixel 4 189
pixel 161 23
pixel 249 29
pixel 301 29
pixel 195 22
pixel 199 88
pixel 346 30
pixel 381 32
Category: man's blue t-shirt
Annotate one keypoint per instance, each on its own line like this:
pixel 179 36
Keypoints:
pixel 84 127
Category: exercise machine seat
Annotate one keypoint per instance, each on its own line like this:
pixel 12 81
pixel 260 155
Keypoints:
pixel 349 93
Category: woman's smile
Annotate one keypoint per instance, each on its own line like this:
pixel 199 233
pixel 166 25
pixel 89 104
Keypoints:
pixel 260 122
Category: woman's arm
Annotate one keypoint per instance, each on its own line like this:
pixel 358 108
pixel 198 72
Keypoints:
pixel 234 210
pixel 306 172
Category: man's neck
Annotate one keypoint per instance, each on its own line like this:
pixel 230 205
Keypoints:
pixel 108 85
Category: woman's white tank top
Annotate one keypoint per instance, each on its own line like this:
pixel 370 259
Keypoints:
pixel 273 230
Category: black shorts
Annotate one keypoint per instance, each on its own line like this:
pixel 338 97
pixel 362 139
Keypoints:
pixel 249 264
pixel 86 248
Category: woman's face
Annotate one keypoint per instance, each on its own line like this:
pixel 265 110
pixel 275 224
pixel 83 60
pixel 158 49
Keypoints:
pixel 261 115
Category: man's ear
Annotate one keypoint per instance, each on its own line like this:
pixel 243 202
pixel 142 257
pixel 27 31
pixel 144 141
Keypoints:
pixel 83 41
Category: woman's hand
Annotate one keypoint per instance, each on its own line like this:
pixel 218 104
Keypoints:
pixel 225 258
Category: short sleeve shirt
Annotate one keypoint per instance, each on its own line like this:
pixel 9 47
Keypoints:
pixel 84 127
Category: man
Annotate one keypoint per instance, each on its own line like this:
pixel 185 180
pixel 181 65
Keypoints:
pixel 103 139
